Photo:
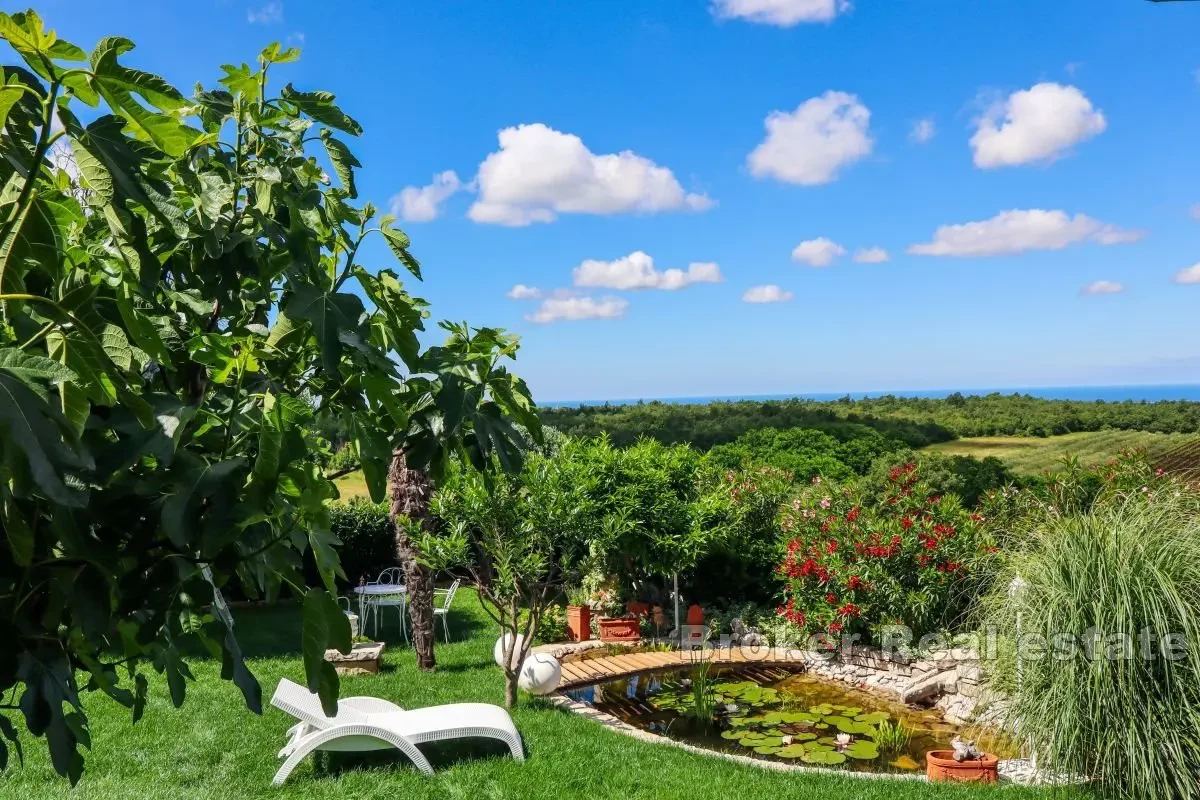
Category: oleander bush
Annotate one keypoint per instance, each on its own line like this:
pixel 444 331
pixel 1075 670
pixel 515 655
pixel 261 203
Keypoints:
pixel 857 561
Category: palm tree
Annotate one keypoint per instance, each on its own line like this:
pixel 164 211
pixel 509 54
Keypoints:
pixel 465 411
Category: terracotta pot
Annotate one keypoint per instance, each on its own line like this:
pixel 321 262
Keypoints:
pixel 695 615
pixel 941 766
pixel 579 623
pixel 620 629
pixel 637 609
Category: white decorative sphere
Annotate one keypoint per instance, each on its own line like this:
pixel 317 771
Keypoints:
pixel 502 645
pixel 539 674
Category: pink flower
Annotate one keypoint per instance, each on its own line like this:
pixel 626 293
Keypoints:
pixel 826 502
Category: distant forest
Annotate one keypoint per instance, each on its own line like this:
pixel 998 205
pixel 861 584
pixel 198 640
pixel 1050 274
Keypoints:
pixel 915 421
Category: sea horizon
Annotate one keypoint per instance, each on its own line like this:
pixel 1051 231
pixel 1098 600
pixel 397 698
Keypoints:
pixel 1145 393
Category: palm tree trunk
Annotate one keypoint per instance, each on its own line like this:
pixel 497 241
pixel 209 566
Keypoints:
pixel 411 491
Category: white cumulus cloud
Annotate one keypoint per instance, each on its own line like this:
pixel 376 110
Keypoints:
pixel 637 271
pixel 539 172
pixel 566 307
pixel 523 292
pixel 1037 124
pixel 817 252
pixel 267 14
pixel 922 131
pixel 871 255
pixel 424 203
pixel 1017 231
pixel 769 293
pixel 1102 287
pixel 1189 275
pixel 810 145
pixel 783 13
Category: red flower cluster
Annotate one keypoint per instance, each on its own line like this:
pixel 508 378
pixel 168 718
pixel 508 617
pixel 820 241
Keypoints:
pixel 856 560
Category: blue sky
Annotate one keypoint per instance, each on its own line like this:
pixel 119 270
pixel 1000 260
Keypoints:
pixel 1050 110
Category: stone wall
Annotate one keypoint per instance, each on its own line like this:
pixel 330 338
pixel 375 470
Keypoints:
pixel 949 680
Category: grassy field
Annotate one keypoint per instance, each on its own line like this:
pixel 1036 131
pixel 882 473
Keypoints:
pixel 214 749
pixel 1032 455
pixel 352 486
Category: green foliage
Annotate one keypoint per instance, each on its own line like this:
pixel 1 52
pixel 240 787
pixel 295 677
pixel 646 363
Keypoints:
pixel 968 478
pixel 523 537
pixel 1102 691
pixel 167 317
pixel 367 536
pixel 839 454
pixel 343 459
pixel 915 421
pixel 551 626
pixel 743 508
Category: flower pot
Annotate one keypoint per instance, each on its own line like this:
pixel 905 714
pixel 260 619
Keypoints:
pixel 637 609
pixel 941 766
pixel 619 629
pixel 579 623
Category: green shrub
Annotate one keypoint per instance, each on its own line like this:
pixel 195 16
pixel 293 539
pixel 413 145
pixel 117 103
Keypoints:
pixel 551 625
pixel 368 538
pixel 966 476
pixel 1127 716
pixel 345 457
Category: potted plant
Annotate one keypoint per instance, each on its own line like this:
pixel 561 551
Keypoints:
pixel 579 614
pixel 963 764
pixel 615 625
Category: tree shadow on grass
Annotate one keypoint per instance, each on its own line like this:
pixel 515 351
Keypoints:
pixel 274 631
pixel 441 755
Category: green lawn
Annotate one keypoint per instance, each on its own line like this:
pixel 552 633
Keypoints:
pixel 352 485
pixel 1030 455
pixel 213 748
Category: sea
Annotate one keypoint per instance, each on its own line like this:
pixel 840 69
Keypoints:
pixel 1149 393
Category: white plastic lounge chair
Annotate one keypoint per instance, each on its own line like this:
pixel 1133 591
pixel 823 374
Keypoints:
pixel 368 723
pixel 442 609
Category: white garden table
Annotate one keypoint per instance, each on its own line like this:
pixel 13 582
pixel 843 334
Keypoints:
pixel 373 595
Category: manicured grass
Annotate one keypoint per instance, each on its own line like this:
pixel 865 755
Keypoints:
pixel 352 485
pixel 1030 455
pixel 213 748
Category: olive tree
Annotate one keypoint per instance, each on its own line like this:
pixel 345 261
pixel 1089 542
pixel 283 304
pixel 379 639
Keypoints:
pixel 522 537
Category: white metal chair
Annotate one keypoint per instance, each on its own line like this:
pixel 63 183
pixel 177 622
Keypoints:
pixel 398 601
pixel 369 723
pixel 442 609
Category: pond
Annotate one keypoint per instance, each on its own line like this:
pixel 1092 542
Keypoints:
pixel 780 713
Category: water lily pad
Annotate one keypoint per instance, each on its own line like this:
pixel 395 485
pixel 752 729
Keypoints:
pixel 814 747
pixel 803 737
pixel 731 734
pixel 821 711
pixel 794 717
pixel 873 718
pixel 822 726
pixel 851 711
pixel 838 706
pixel 905 762
pixel 863 750
pixel 767 751
pixel 791 751
pixel 769 741
pixel 825 757
pixel 829 740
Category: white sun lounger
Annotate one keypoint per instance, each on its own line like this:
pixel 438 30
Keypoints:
pixel 368 723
